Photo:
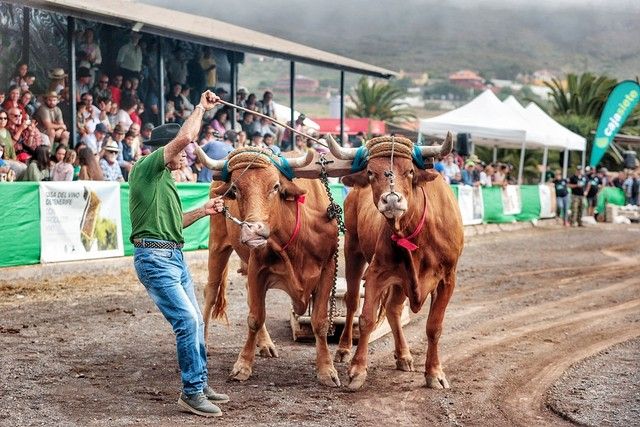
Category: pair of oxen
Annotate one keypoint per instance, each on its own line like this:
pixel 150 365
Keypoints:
pixel 410 236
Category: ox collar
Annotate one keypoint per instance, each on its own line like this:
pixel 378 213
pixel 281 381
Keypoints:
pixel 362 157
pixel 299 202
pixel 280 162
pixel 406 242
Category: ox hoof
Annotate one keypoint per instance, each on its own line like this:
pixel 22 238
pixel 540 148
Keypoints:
pixel 438 381
pixel 240 372
pixel 404 363
pixel 343 355
pixel 267 350
pixel 329 377
pixel 357 380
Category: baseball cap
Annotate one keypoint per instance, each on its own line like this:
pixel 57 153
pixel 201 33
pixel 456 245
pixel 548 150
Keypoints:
pixel 100 127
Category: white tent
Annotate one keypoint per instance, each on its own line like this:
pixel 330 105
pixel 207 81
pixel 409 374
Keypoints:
pixel 488 121
pixel 283 114
pixel 569 140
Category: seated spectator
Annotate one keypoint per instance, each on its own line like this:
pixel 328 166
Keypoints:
pixel 101 88
pixel 104 107
pixel 38 168
pixel 58 155
pixel 57 78
pixel 24 134
pixel 96 140
pixel 83 84
pixel 82 122
pixel 116 88
pixel 130 153
pixel 249 124
pixel 185 102
pixel 220 121
pixel 13 100
pixel 268 140
pixel 452 170
pixel 216 149
pixel 242 139
pixel 267 126
pixel 184 174
pixel 64 170
pixel 92 111
pixel 109 163
pixel 265 106
pixel 20 77
pixel 300 145
pixel 50 122
pixel 485 176
pixel 6 173
pixel 5 137
pixel 241 97
pixel 256 140
pixel 26 101
pixel 298 125
pixel 124 117
pixel 90 170
pixel 252 102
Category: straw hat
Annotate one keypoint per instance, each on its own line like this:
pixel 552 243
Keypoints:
pixel 57 73
pixel 52 94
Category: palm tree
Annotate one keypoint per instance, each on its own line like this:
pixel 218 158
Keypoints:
pixel 584 95
pixel 380 101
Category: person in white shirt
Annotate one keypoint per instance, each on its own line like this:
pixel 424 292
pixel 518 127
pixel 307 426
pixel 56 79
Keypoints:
pixel 96 140
pixel 130 57
pixel 451 170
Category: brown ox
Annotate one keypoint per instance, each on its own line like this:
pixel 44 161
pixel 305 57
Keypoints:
pixel 266 201
pixel 373 214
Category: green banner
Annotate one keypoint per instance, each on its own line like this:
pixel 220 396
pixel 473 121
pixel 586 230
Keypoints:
pixel 530 197
pixel 620 103
pixel 493 209
pixel 20 219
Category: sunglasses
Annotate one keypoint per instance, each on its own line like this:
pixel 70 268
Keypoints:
pixel 104 81
pixel 3 117
pixel 16 115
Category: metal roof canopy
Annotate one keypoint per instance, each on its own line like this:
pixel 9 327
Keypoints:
pixel 170 23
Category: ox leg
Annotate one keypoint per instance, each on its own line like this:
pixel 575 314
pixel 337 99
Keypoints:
pixel 326 372
pixel 367 323
pixel 402 354
pixel 440 297
pixel 257 291
pixel 266 347
pixel 354 267
pixel 218 270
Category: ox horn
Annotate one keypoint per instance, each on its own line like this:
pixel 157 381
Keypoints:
pixel 438 150
pixel 212 164
pixel 301 161
pixel 340 152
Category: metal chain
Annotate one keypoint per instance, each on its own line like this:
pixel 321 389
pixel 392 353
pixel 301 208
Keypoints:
pixel 334 211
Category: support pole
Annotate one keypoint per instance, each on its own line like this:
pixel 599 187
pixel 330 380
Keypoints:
pixel 521 168
pixel 71 43
pixel 342 107
pixel 495 154
pixel 26 38
pixel 292 100
pixel 161 101
pixel 584 158
pixel 565 163
pixel 233 77
pixel 545 157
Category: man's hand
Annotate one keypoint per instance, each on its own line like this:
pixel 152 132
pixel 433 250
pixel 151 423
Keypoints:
pixel 209 100
pixel 214 206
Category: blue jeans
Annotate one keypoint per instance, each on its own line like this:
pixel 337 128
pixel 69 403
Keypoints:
pixel 563 206
pixel 164 274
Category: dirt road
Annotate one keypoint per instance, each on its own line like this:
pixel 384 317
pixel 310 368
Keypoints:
pixel 529 305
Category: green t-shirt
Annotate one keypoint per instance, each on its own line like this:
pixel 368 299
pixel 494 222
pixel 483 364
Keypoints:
pixel 154 204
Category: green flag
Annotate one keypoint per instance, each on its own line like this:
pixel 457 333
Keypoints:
pixel 620 103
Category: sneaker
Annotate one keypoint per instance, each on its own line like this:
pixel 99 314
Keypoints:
pixel 199 405
pixel 215 397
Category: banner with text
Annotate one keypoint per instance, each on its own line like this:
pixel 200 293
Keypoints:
pixel 511 200
pixel 547 200
pixel 471 204
pixel 80 220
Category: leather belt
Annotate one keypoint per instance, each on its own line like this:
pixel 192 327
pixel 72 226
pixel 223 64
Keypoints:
pixel 156 244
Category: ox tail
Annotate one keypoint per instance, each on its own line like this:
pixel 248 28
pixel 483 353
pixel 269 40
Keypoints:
pixel 382 310
pixel 216 298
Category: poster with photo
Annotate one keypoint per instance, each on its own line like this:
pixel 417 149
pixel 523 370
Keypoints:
pixel 80 220
pixel 471 204
pixel 547 200
pixel 511 200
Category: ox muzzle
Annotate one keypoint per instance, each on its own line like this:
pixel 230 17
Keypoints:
pixel 392 204
pixel 254 234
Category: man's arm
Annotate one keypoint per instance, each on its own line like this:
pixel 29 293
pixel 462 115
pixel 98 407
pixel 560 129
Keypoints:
pixel 191 126
pixel 213 206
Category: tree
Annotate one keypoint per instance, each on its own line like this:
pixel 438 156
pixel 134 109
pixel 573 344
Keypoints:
pixel 380 101
pixel 584 95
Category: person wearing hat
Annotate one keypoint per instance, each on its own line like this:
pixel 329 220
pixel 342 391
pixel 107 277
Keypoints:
pixel 57 78
pixel 96 140
pixel 109 162
pixel 157 221
pixel 241 97
pixel 50 121
pixel 467 172
pixel 83 84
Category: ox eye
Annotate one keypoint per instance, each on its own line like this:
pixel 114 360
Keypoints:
pixel 370 174
pixel 276 187
pixel 410 173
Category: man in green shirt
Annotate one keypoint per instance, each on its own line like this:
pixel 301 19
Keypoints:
pixel 157 221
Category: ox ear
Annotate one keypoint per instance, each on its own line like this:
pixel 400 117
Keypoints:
pixel 289 190
pixel 358 179
pixel 424 175
pixel 223 189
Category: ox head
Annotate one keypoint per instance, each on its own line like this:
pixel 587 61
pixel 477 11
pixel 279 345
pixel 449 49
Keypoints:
pixel 391 201
pixel 258 192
